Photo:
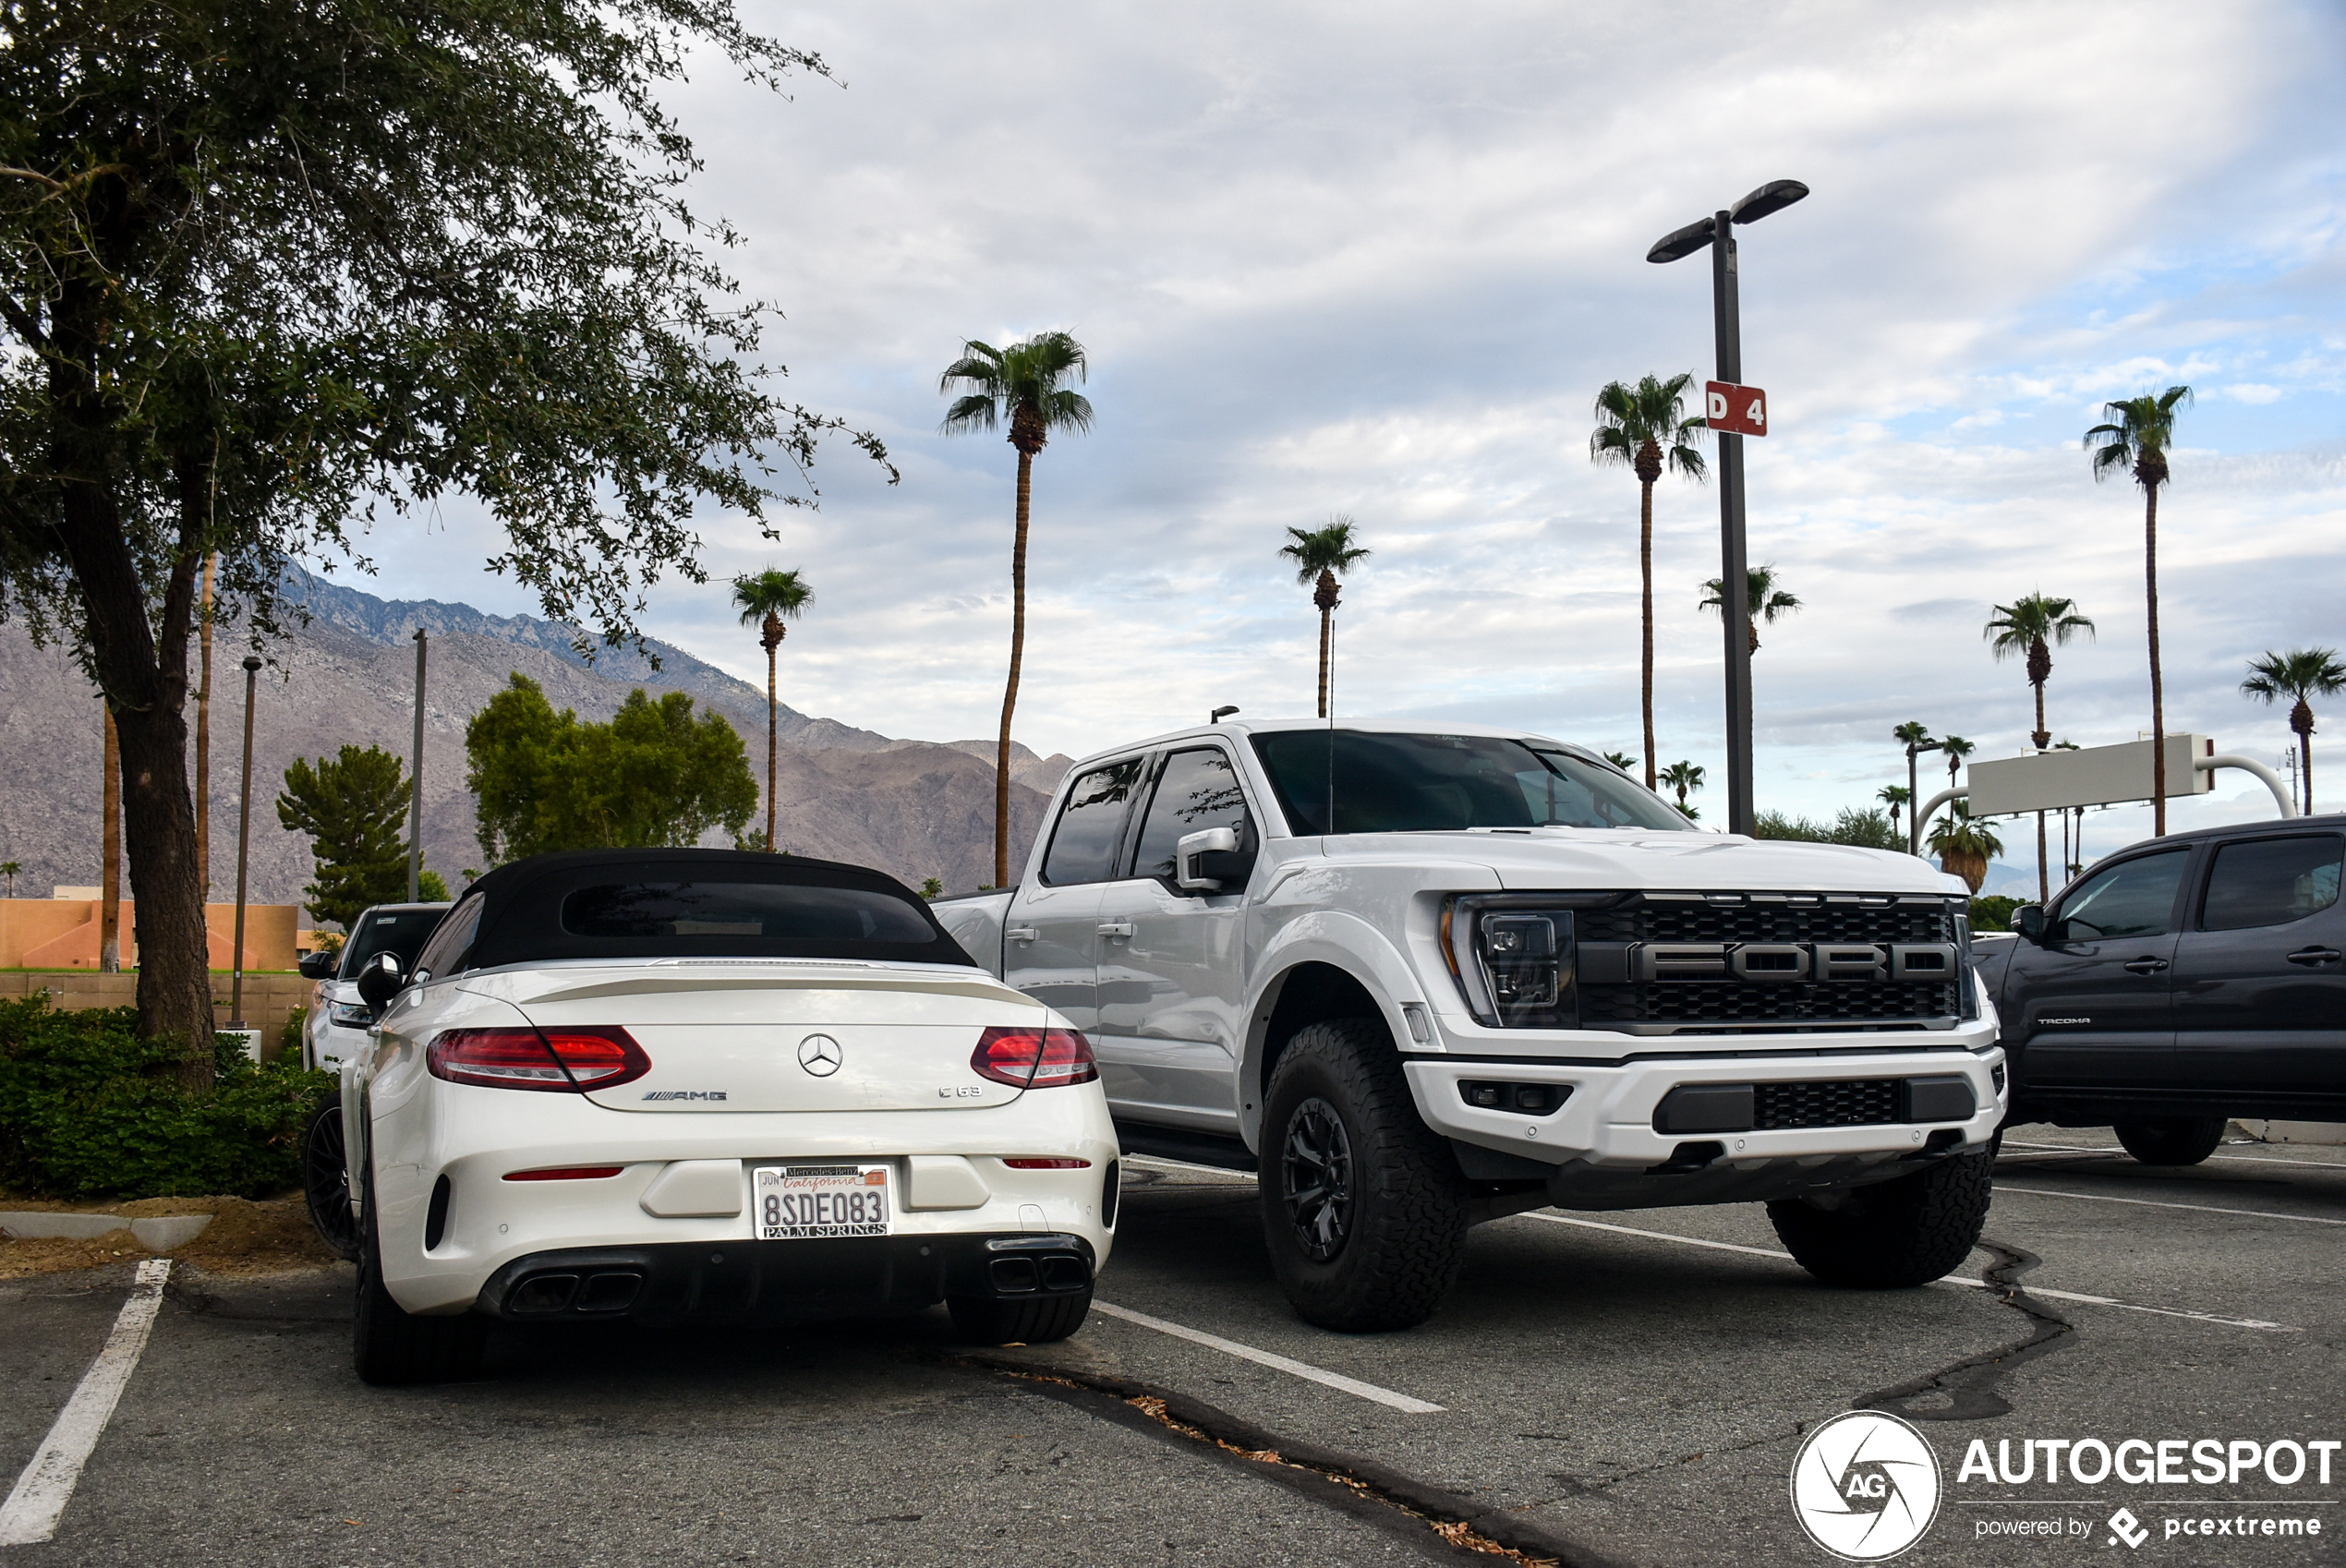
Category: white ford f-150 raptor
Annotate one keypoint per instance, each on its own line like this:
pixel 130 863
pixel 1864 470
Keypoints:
pixel 1422 976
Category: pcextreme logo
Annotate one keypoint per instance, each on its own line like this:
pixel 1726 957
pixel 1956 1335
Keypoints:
pixel 1864 1486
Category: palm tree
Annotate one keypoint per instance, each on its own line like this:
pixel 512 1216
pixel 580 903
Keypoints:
pixel 1897 797
pixel 9 870
pixel 2301 674
pixel 1765 600
pixel 2135 441
pixel 1964 847
pixel 1622 760
pixel 1319 554
pixel 766 601
pixel 1644 428
pixel 2022 627
pixel 1957 748
pixel 1915 736
pixel 1683 777
pixel 1020 384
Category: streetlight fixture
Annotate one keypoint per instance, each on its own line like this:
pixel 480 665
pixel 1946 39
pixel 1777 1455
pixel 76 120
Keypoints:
pixel 1717 232
pixel 244 843
pixel 415 785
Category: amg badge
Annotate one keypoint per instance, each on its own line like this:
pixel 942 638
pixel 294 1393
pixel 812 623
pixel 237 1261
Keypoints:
pixel 685 1095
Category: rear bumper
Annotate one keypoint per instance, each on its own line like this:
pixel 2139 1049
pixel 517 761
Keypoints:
pixel 784 1281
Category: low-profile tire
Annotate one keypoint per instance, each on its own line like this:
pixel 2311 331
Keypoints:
pixel 1364 1209
pixel 325 1182
pixel 392 1347
pixel 2169 1141
pixel 979 1319
pixel 1894 1234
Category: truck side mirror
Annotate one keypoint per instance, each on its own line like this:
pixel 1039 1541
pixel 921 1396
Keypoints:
pixel 381 980
pixel 2029 921
pixel 1203 860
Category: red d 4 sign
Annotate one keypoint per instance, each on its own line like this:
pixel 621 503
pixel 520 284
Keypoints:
pixel 1739 411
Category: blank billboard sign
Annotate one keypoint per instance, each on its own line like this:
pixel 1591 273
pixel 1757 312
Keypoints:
pixel 2096 776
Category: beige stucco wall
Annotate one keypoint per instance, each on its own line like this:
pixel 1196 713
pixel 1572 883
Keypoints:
pixel 63 934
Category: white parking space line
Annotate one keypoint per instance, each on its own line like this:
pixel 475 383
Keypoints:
pixel 2154 1204
pixel 1384 1396
pixel 41 1494
pixel 2236 1158
pixel 1970 1284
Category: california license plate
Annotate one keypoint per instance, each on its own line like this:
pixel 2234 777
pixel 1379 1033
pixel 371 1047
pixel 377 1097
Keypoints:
pixel 801 1202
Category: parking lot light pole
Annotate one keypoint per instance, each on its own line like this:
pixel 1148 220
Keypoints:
pixel 1718 232
pixel 243 842
pixel 415 785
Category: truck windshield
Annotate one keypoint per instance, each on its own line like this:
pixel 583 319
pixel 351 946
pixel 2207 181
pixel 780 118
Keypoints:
pixel 1388 783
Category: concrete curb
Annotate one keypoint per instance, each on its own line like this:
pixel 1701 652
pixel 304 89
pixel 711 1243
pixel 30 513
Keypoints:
pixel 159 1234
pixel 2295 1132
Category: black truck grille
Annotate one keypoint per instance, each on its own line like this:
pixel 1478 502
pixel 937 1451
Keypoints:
pixel 1850 1103
pixel 1689 1005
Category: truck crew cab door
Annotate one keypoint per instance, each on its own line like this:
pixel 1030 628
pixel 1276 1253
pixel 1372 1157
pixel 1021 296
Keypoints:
pixel 1050 933
pixel 2087 1009
pixel 2259 980
pixel 1172 961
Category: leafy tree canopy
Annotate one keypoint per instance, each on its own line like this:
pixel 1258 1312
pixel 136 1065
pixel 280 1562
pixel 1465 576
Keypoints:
pixel 655 774
pixel 352 807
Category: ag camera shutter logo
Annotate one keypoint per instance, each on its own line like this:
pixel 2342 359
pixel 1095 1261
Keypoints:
pixel 1864 1486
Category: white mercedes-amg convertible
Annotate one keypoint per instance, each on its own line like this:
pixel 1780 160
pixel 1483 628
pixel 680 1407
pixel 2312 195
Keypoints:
pixel 695 1085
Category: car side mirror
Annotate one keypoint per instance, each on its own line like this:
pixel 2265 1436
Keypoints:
pixel 1203 860
pixel 2029 921
pixel 320 965
pixel 381 980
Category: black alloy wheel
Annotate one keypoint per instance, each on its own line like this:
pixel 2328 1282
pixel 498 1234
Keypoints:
pixel 325 1182
pixel 1317 1157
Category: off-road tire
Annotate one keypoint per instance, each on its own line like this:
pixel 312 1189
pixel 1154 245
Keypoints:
pixel 1404 1213
pixel 391 1347
pixel 325 1182
pixel 2169 1141
pixel 980 1319
pixel 1894 1234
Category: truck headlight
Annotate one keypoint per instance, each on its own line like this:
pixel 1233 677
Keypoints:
pixel 1512 955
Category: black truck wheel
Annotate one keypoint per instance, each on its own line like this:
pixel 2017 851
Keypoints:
pixel 1894 1234
pixel 1363 1208
pixel 392 1346
pixel 325 1182
pixel 2169 1141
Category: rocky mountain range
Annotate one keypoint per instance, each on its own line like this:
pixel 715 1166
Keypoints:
pixel 915 809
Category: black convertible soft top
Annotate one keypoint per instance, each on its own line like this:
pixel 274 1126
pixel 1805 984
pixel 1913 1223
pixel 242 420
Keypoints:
pixel 684 903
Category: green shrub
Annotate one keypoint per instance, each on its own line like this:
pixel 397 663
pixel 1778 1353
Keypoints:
pixel 88 1109
pixel 1994 912
pixel 1867 829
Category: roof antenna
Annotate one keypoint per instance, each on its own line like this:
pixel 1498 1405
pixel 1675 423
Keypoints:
pixel 1219 714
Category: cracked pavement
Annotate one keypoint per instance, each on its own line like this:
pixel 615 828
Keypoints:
pixel 1608 1396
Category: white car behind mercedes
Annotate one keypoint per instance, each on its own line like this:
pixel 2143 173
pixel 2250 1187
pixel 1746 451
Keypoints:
pixel 697 1085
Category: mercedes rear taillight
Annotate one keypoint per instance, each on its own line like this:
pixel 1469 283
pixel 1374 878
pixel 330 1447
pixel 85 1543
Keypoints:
pixel 1035 1058
pixel 564 1060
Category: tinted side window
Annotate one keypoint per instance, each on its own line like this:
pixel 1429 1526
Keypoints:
pixel 2136 898
pixel 454 938
pixel 1197 791
pixel 2271 882
pixel 1085 839
pixel 401 933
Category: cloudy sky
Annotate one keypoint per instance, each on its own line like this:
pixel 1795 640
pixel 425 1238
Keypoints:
pixel 1378 259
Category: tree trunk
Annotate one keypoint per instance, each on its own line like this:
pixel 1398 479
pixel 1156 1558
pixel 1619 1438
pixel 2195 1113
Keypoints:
pixel 1325 613
pixel 203 733
pixel 773 729
pixel 110 851
pixel 2158 691
pixel 1009 692
pixel 1972 868
pixel 1645 606
pixel 2044 880
pixel 2301 719
pixel 142 668
pixel 2041 736
pixel 1914 804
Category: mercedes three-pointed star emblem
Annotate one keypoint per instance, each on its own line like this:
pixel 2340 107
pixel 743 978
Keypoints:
pixel 819 1055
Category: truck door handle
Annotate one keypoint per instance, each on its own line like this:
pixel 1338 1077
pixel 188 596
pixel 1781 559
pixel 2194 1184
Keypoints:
pixel 2309 956
pixel 2145 966
pixel 1021 933
pixel 1116 928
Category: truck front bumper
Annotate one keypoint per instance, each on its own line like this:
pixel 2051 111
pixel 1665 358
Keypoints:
pixel 1770 1120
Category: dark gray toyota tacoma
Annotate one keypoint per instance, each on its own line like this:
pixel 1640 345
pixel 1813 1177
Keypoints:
pixel 2180 982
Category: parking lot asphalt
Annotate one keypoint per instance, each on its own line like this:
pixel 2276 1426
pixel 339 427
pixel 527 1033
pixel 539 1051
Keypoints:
pixel 1622 1387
